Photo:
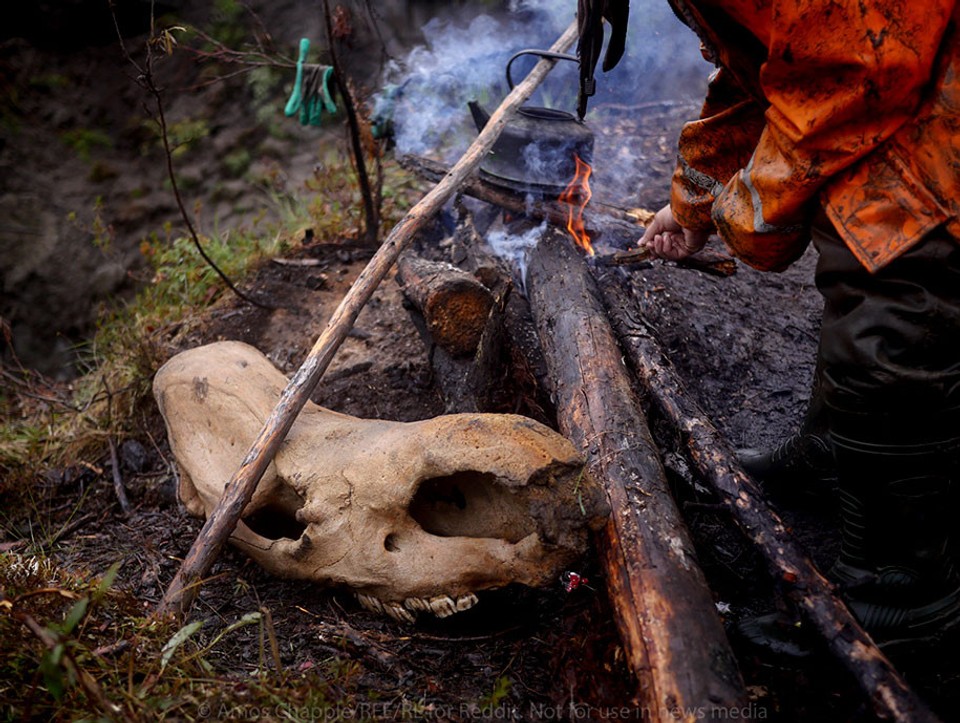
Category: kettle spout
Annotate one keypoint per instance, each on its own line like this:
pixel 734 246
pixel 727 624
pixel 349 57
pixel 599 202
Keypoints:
pixel 480 116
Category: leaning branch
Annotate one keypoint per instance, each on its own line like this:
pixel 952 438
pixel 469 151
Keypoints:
pixel 239 490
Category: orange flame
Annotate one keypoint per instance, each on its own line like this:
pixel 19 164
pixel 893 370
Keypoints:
pixel 577 196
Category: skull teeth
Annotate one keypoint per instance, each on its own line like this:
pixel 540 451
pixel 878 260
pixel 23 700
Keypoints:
pixel 398 612
pixel 465 602
pixel 417 604
pixel 370 603
pixel 442 606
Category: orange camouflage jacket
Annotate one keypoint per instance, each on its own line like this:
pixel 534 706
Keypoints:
pixel 849 106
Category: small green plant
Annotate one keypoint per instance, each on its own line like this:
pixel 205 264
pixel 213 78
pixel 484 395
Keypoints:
pixel 83 140
pixel 496 697
pixel 183 135
pixel 49 81
pixel 237 162
pixel 77 648
pixel 227 22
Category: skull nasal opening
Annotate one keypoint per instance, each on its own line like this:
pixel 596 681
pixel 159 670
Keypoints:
pixel 470 504
pixel 275 522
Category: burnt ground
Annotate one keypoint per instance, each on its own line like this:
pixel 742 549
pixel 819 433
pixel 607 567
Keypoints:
pixel 745 346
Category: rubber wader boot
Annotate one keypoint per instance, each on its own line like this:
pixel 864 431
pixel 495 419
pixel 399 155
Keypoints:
pixel 802 464
pixel 898 503
pixel 897 565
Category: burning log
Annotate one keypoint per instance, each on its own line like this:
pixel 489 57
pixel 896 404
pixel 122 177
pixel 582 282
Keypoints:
pixel 889 694
pixel 455 306
pixel 671 631
pixel 526 368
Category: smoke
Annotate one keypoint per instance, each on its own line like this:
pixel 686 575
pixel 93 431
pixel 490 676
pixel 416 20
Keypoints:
pixel 515 248
pixel 463 59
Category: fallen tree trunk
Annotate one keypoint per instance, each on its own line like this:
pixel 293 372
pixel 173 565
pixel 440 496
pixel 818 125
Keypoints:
pixel 665 613
pixel 239 490
pixel 716 462
pixel 454 304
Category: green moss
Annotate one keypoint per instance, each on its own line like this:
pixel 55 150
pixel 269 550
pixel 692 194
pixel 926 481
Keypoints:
pixel 101 172
pixel 49 81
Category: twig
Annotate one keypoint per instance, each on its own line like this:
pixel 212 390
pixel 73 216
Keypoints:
pixel 69 529
pixel 114 459
pixel 117 480
pixel 370 206
pixel 145 79
pixel 239 490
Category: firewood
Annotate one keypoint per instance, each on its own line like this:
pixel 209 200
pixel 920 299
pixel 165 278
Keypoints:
pixel 525 368
pixel 239 490
pixel 717 464
pixel 468 384
pixel 664 610
pixel 454 304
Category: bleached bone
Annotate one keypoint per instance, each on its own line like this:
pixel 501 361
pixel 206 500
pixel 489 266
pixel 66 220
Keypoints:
pixel 412 516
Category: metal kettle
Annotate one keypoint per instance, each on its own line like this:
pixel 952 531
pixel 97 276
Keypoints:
pixel 536 150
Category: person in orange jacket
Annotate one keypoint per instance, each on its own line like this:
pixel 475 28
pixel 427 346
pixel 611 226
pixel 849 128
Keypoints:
pixel 840 122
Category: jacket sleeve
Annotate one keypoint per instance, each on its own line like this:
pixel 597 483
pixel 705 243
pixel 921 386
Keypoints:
pixel 712 149
pixel 840 78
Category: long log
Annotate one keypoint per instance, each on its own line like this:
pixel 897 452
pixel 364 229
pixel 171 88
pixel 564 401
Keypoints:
pixel 890 696
pixel 664 610
pixel 239 490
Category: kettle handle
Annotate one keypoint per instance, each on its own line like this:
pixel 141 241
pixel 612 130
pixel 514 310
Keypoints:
pixel 542 54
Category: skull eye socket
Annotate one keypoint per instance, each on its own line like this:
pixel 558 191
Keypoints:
pixel 470 504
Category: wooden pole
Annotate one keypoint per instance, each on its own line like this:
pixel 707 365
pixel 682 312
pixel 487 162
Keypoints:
pixel 239 490
pixel 889 694
pixel 671 631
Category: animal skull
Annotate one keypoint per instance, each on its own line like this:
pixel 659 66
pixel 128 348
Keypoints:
pixel 411 516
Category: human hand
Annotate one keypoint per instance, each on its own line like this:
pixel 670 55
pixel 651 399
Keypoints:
pixel 667 239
